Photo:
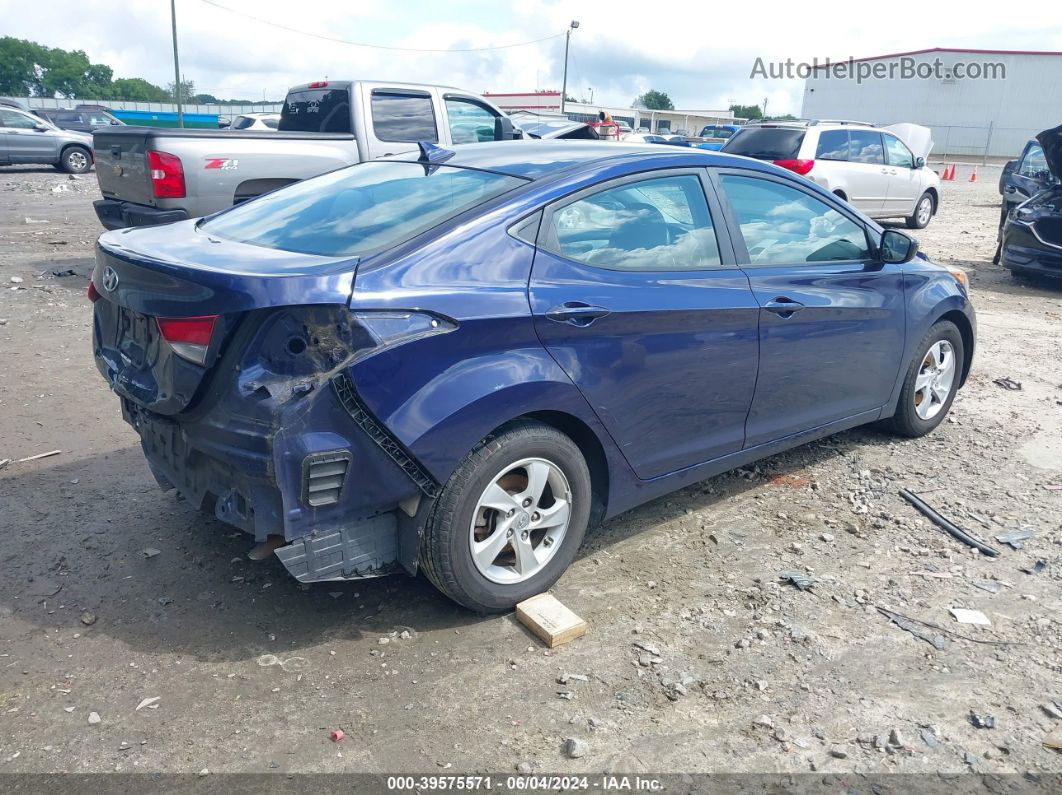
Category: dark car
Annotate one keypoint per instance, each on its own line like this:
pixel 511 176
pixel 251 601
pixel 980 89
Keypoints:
pixel 1031 237
pixel 457 360
pixel 78 119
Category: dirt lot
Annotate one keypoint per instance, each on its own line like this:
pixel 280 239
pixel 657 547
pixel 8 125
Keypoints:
pixel 251 671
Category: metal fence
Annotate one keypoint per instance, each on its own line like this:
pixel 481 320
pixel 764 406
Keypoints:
pixel 153 107
pixel 991 142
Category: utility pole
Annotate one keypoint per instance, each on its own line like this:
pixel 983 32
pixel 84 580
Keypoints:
pixel 765 107
pixel 176 65
pixel 567 40
pixel 591 95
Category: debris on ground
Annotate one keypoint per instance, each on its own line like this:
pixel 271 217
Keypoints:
pixel 151 702
pixel 1015 539
pixel 88 618
pixel 799 579
pixel 1054 739
pixel 916 628
pixel 987 585
pixel 575 748
pixel 1036 568
pixel 4 462
pixel 94 718
pixel 551 621
pixel 982 721
pixel 39 455
pixel 966 616
pixel 150 552
pixel 1008 384
pixel 952 529
pixel 1053 709
pixel 336 735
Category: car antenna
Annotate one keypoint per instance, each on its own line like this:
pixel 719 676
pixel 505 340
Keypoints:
pixel 433 155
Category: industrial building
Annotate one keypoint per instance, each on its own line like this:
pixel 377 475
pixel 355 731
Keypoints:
pixel 661 121
pixel 979 103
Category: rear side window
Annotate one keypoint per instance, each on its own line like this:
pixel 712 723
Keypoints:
pixel 403 117
pixel 866 147
pixel 242 122
pixel 655 225
pixel 766 143
pixel 318 110
pixel 270 123
pixel 358 210
pixel 833 145
pixel 785 226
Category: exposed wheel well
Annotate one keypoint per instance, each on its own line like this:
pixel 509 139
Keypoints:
pixel 588 444
pixel 966 330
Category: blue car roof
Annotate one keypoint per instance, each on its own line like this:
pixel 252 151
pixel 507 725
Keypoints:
pixel 537 159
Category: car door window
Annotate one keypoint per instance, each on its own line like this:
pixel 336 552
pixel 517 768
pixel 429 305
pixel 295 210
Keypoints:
pixel 782 225
pixel 899 155
pixel 866 147
pixel 1034 164
pixel 658 224
pixel 833 145
pixel 403 117
pixel 470 122
pixel 9 118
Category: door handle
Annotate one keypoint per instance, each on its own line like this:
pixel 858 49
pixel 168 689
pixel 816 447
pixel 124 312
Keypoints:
pixel 1010 189
pixel 576 313
pixel 783 307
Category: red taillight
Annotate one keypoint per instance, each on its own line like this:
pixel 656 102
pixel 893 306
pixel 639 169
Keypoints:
pixel 800 167
pixel 319 84
pixel 188 336
pixel 93 293
pixel 167 175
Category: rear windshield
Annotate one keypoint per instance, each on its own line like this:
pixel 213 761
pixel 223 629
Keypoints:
pixel 358 210
pixel 319 110
pixel 765 143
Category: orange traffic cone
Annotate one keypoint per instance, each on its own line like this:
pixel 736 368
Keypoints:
pixel 973 176
pixel 947 175
pixel 951 172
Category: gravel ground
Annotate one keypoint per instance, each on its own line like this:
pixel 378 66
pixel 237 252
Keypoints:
pixel 698 658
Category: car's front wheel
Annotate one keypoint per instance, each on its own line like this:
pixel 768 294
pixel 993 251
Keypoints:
pixel 510 519
pixel 931 382
pixel 922 214
pixel 76 160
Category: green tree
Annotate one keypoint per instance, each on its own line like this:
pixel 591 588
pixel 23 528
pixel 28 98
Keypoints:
pixel 20 67
pixel 205 99
pixel 655 100
pixel 136 89
pixel 747 111
pixel 187 91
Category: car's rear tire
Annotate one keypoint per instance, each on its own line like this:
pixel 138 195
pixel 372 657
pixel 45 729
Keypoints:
pixel 75 160
pixel 932 380
pixel 923 212
pixel 489 558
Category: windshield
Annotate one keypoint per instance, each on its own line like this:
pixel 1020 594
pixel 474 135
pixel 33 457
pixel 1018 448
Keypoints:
pixel 358 210
pixel 316 110
pixel 766 143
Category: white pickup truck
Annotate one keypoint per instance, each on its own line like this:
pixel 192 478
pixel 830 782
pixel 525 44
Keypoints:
pixel 152 175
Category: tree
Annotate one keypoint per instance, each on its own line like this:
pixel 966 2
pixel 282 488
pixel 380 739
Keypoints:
pixel 204 99
pixel 655 100
pixel 20 67
pixel 187 91
pixel 747 111
pixel 136 89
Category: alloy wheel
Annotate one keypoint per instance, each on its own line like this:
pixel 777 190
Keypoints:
pixel 77 160
pixel 925 210
pixel 520 521
pixel 935 380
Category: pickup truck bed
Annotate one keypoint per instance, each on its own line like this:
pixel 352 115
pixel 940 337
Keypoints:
pixel 212 164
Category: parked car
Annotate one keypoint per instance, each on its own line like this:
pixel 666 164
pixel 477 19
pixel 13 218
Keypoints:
pixel 25 138
pixel 456 360
pixel 870 167
pixel 152 175
pixel 1023 178
pixel 644 138
pixel 86 121
pixel 255 121
pixel 677 140
pixel 718 133
pixel 1031 241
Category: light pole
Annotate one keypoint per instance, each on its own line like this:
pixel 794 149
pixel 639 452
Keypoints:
pixel 591 94
pixel 567 40
pixel 176 65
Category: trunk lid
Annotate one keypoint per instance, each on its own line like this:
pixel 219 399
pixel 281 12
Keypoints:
pixel 178 271
pixel 1051 142
pixel 121 163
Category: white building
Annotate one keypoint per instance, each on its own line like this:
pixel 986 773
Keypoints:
pixel 979 103
pixel 662 121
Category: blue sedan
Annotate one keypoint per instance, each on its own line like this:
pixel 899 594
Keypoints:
pixel 456 361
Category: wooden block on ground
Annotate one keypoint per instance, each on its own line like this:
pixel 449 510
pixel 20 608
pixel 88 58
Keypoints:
pixel 550 620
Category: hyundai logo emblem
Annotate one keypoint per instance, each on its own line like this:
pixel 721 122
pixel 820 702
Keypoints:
pixel 110 279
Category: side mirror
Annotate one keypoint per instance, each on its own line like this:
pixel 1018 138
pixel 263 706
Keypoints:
pixel 41 127
pixel 920 162
pixel 503 128
pixel 896 247
pixel 114 121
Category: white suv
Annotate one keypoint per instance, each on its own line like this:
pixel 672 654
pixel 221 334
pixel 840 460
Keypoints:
pixel 870 167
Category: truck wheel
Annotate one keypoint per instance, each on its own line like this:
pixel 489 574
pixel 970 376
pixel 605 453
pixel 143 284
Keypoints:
pixel 931 382
pixel 509 520
pixel 76 160
pixel 922 214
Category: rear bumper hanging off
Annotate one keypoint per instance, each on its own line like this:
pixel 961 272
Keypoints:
pixel 364 548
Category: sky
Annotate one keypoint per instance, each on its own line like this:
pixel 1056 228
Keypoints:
pixel 700 53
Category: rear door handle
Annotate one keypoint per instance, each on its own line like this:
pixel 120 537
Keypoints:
pixel 576 313
pixel 783 307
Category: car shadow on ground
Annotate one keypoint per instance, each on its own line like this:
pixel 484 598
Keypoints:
pixel 79 539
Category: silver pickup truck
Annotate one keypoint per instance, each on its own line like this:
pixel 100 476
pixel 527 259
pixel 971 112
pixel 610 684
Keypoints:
pixel 152 175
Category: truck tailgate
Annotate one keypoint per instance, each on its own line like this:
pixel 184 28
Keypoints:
pixel 121 164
